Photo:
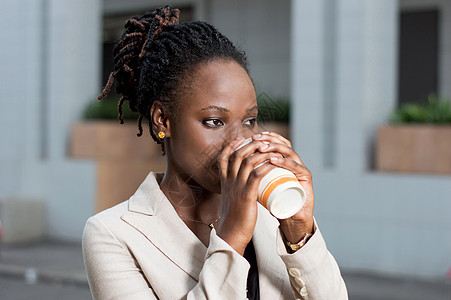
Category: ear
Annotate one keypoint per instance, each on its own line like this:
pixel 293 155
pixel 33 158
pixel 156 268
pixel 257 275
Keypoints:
pixel 160 119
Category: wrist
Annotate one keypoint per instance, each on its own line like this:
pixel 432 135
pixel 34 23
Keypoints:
pixel 234 240
pixel 295 230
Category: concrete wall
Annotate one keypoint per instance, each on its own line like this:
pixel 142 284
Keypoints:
pixel 343 86
pixel 50 70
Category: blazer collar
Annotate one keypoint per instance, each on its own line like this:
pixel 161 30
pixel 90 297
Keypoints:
pixel 148 198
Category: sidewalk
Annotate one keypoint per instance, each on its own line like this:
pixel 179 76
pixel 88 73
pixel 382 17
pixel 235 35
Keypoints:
pixel 63 263
pixel 44 261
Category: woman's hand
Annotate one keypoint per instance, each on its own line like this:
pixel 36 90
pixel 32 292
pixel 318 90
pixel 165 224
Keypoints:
pixel 240 178
pixel 296 227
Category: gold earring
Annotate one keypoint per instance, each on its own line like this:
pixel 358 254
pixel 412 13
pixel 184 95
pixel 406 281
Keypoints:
pixel 161 135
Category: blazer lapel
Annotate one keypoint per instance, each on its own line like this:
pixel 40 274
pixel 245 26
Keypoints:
pixel 151 213
pixel 271 269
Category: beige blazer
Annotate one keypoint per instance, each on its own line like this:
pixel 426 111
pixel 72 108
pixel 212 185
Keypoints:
pixel 141 249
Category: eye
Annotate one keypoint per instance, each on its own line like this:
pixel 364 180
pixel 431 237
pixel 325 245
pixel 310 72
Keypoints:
pixel 251 122
pixel 213 123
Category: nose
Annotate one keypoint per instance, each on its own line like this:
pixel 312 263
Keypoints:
pixel 235 130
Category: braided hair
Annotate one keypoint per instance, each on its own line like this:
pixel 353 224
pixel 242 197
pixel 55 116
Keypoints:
pixel 156 55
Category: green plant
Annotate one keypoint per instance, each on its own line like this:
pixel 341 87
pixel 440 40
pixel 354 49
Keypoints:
pixel 437 110
pixel 272 110
pixel 106 109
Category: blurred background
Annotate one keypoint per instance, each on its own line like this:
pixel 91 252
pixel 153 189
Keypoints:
pixel 361 87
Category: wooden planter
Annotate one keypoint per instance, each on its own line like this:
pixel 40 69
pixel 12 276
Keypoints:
pixel 414 149
pixel 122 159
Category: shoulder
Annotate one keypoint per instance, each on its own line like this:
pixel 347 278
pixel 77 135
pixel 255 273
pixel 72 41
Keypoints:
pixel 105 222
pixel 112 214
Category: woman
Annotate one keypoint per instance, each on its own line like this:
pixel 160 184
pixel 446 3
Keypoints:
pixel 196 231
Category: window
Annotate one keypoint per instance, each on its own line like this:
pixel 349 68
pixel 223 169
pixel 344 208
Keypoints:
pixel 418 55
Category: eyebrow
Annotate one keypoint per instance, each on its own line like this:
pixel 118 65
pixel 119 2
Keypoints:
pixel 214 107
pixel 252 108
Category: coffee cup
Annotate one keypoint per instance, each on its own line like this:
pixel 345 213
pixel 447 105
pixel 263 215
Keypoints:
pixel 279 191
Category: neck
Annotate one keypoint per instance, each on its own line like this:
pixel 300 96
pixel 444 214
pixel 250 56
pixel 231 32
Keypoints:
pixel 188 197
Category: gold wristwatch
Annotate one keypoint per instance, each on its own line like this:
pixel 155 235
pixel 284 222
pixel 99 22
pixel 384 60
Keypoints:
pixel 297 246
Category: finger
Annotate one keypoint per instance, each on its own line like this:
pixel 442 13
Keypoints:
pixel 223 157
pixel 236 158
pixel 273 137
pixel 299 170
pixel 284 150
pixel 256 176
pixel 251 162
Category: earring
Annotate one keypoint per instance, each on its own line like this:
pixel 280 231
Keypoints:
pixel 161 135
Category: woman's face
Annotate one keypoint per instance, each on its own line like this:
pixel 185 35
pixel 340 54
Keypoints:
pixel 218 106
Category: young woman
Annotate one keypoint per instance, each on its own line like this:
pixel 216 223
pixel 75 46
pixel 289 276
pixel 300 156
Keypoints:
pixel 197 231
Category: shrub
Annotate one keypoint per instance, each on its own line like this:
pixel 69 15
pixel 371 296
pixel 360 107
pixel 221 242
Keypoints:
pixel 272 110
pixel 106 109
pixel 437 110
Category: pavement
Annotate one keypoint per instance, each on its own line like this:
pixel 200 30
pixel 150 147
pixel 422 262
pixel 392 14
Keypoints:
pixel 54 269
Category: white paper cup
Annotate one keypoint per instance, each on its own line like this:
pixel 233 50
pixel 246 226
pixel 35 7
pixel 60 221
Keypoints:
pixel 279 191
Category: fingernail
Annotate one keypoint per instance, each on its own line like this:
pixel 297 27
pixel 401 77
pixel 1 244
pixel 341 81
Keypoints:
pixel 264 146
pixel 258 135
pixel 265 132
pixel 265 142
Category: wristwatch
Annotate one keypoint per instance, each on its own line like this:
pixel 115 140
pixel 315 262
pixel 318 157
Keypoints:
pixel 297 246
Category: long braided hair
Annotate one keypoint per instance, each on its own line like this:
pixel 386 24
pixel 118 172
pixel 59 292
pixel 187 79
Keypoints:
pixel 156 55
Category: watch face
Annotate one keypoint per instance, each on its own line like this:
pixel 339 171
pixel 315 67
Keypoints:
pixel 294 247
